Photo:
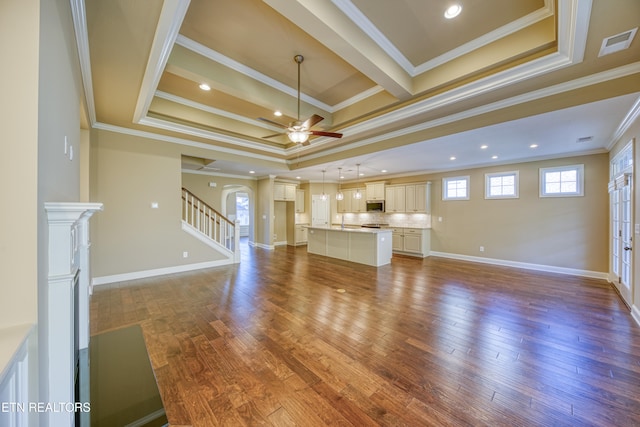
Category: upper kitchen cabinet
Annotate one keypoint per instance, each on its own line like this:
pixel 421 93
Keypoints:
pixel 395 198
pixel 409 198
pixel 417 198
pixel 375 190
pixel 284 192
pixel 350 204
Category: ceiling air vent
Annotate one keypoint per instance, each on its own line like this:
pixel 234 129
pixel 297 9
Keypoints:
pixel 584 139
pixel 618 42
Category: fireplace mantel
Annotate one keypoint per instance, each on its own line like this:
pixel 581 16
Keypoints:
pixel 67 298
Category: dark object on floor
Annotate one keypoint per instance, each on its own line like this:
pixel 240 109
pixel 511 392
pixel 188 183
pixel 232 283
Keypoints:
pixel 123 387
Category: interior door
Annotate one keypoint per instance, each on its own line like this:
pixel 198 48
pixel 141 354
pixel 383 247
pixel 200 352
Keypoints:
pixel 622 236
pixel 320 212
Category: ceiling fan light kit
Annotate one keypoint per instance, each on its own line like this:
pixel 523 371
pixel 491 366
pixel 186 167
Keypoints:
pixel 299 131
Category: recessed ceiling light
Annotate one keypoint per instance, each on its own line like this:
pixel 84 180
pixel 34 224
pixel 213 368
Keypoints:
pixel 494 157
pixel 277 113
pixel 361 174
pixel 383 171
pixel 252 171
pixel 452 158
pixel 453 11
pixel 484 146
pixel 297 177
pixel 204 86
pixel 533 146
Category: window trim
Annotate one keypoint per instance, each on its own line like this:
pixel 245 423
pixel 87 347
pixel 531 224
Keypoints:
pixel 487 185
pixel 579 168
pixel 455 178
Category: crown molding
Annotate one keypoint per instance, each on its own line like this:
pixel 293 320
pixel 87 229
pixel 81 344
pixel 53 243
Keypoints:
pixel 249 72
pixel 625 124
pixel 185 142
pixel 214 136
pixel 604 76
pixel 216 111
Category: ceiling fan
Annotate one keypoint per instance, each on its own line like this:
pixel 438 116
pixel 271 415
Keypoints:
pixel 299 131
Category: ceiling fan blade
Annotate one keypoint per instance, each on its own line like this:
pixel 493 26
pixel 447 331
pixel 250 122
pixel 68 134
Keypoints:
pixel 273 136
pixel 321 133
pixel 312 121
pixel 273 123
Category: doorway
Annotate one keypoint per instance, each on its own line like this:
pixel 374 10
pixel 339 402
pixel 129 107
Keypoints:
pixel 320 211
pixel 621 205
pixel 242 213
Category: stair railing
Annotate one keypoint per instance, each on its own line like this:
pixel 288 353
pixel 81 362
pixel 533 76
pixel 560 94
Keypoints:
pixel 208 221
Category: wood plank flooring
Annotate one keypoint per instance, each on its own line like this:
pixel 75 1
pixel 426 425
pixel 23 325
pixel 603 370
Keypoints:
pixel 431 342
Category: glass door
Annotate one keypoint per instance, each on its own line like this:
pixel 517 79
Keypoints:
pixel 621 203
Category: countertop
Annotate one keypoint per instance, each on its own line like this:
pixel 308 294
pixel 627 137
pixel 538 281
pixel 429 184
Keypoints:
pixel 352 229
pixel 387 227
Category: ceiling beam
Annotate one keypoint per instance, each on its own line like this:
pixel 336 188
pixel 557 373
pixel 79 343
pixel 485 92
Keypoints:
pixel 325 22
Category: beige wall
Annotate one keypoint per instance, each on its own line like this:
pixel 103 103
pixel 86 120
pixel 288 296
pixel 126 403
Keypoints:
pixel 280 221
pixel 566 232
pixel 264 212
pixel 19 20
pixel 40 105
pixel 128 173
pixel 198 184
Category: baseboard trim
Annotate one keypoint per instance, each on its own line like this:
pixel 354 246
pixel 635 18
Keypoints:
pixel 262 246
pixel 635 313
pixel 104 280
pixel 525 265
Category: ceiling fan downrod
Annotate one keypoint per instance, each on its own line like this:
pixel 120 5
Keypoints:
pixel 298 59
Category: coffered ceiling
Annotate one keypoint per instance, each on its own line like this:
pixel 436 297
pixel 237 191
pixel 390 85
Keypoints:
pixel 407 88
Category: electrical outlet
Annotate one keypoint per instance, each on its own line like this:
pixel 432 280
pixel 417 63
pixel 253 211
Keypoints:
pixel 185 254
pixel 481 248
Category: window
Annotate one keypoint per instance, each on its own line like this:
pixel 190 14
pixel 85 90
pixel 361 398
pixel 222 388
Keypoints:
pixel 456 188
pixel 562 181
pixel 242 208
pixel 501 185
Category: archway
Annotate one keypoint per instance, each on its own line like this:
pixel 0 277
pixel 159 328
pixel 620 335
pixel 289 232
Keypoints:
pixel 229 206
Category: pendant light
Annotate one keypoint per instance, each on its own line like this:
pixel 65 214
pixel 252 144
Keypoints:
pixel 357 194
pixel 324 195
pixel 339 195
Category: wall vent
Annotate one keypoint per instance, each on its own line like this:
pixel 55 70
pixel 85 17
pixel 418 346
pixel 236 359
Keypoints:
pixel 618 42
pixel 584 139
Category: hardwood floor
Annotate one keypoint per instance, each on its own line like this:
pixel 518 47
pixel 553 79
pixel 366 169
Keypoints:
pixel 431 342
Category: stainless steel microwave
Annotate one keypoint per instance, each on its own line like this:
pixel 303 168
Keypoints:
pixel 375 205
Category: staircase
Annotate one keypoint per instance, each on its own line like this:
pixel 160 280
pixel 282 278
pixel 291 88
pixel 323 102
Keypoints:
pixel 210 226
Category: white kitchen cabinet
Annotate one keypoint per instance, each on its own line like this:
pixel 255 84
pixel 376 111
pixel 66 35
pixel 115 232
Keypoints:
pixel 417 198
pixel 395 198
pixel 301 234
pixel 349 204
pixel 300 201
pixel 375 191
pixel 284 192
pixel 397 239
pixel 344 205
pixel 411 241
pixel 359 205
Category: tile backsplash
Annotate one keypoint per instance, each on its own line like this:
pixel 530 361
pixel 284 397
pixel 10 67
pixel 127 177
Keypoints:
pixel 407 220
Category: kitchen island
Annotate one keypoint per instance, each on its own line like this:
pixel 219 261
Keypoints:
pixel 370 246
